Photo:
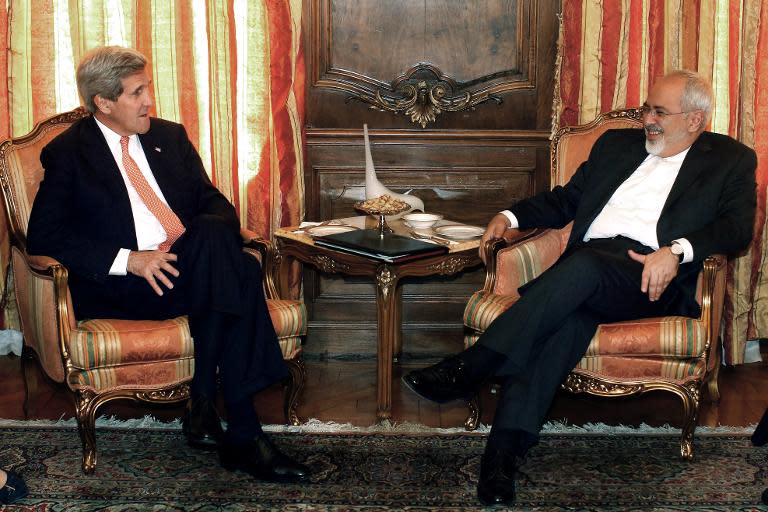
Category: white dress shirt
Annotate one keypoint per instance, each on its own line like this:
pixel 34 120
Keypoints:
pixel 149 232
pixel 634 208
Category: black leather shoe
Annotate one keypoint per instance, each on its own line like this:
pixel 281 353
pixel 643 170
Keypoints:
pixel 442 382
pixel 497 478
pixel 202 425
pixel 262 459
pixel 13 490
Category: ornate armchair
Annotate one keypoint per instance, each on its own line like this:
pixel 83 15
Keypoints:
pixel 101 360
pixel 673 354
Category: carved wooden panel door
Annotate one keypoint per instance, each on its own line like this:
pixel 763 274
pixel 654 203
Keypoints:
pixel 457 95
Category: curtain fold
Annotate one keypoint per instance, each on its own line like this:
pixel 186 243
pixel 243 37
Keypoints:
pixel 611 52
pixel 231 71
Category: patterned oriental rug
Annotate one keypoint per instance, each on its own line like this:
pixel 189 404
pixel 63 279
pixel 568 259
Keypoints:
pixel 153 469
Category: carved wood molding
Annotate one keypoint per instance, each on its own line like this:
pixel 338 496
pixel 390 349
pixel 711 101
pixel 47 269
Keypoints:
pixel 422 94
pixel 423 91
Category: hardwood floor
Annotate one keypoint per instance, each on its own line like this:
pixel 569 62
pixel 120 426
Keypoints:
pixel 344 391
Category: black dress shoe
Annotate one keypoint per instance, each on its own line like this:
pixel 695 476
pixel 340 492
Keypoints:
pixel 497 478
pixel 202 425
pixel 262 459
pixel 13 490
pixel 442 382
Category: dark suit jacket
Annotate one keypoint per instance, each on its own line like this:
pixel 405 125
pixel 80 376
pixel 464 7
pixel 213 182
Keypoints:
pixel 82 215
pixel 711 204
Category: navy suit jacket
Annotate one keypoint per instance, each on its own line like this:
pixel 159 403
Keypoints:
pixel 711 203
pixel 82 215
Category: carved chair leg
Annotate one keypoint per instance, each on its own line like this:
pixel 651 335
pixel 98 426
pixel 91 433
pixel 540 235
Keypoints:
pixel 690 397
pixel 294 386
pixel 85 406
pixel 473 417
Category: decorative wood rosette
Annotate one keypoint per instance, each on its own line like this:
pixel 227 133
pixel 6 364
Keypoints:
pixel 422 94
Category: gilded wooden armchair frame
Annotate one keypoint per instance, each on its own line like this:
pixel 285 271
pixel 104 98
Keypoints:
pixel 47 280
pixel 711 289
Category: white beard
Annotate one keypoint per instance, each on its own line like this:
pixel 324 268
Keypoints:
pixel 654 147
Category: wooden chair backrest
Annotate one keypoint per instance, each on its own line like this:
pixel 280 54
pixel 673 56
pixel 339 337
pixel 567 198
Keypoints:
pixel 21 171
pixel 571 144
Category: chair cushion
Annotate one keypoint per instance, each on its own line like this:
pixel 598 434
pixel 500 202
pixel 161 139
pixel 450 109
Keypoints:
pixel 484 307
pixel 104 343
pixel 641 369
pixel 289 317
pixel 150 376
pixel 670 336
pixel 663 337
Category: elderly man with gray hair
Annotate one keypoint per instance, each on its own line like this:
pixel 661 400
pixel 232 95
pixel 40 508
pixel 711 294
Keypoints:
pixel 127 206
pixel 648 206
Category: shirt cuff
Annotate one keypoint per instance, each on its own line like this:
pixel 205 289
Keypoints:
pixel 120 265
pixel 512 219
pixel 687 249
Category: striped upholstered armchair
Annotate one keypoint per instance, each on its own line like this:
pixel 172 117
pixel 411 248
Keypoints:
pixel 673 354
pixel 101 360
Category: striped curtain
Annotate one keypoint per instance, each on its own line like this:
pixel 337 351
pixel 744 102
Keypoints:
pixel 231 71
pixel 610 53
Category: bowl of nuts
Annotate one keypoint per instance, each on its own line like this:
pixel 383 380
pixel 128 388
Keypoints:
pixel 381 206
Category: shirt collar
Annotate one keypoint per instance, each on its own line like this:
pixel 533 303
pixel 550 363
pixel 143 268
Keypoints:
pixel 113 138
pixel 677 158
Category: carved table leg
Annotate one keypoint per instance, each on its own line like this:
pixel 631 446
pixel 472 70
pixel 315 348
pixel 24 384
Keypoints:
pixel 397 348
pixel 386 307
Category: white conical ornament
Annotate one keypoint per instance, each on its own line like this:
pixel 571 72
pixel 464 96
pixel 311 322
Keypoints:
pixel 374 188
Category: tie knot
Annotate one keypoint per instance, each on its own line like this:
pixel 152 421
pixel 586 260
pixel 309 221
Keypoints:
pixel 124 143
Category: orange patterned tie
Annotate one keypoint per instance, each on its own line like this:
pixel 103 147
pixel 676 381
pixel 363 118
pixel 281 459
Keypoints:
pixel 170 222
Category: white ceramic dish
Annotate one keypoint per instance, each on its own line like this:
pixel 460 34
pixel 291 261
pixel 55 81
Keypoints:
pixel 459 231
pixel 328 229
pixel 421 220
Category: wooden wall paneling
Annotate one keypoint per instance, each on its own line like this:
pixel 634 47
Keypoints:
pixel 495 48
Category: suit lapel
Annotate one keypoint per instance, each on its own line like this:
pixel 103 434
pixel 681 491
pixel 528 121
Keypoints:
pixel 103 167
pixel 696 162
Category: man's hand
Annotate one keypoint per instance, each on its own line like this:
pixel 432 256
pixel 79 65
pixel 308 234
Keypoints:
pixel 152 265
pixel 495 230
pixel 659 268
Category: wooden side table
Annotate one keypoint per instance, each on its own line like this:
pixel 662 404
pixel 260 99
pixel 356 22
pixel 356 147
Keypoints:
pixel 293 243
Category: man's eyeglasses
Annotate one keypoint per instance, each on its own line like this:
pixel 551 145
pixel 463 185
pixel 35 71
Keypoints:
pixel 660 113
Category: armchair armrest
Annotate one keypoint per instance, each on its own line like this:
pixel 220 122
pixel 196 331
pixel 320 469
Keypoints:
pixel 45 309
pixel 43 264
pixel 491 249
pixel 712 281
pixel 265 253
pixel 530 253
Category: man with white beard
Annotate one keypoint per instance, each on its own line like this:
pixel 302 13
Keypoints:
pixel 648 206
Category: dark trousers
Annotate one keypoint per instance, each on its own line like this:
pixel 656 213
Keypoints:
pixel 545 333
pixel 220 288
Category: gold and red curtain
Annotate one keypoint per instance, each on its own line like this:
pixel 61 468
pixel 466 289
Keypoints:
pixel 610 54
pixel 231 71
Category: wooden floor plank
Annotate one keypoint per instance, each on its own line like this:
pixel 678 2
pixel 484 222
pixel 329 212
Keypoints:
pixel 345 392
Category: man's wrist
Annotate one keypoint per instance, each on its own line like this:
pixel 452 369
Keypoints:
pixel 677 250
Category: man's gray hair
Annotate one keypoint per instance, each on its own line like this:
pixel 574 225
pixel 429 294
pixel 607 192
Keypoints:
pixel 101 72
pixel 697 94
